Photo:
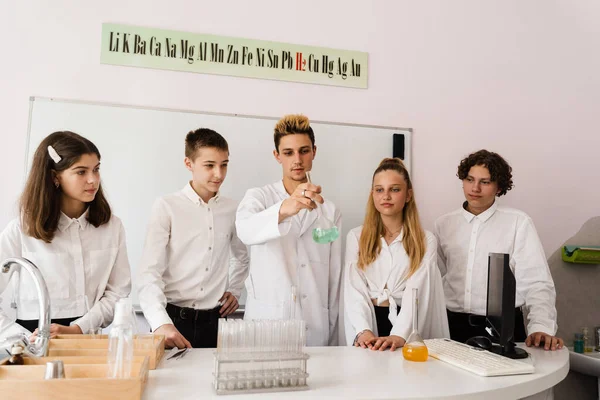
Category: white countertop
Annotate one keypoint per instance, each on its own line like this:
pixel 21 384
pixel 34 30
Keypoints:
pixel 347 372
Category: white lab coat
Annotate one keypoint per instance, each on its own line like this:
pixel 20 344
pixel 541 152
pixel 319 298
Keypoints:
pixel 283 255
pixel 360 288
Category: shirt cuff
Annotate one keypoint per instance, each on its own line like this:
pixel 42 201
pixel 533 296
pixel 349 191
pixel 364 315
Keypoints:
pixel 532 328
pixel 158 318
pixel 284 226
pixel 363 327
pixel 403 332
pixel 236 293
pixel 84 324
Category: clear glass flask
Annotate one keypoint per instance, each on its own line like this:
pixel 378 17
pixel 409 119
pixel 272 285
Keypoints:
pixel 325 230
pixel 415 349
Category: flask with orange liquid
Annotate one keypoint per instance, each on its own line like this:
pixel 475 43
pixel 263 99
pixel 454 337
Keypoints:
pixel 414 349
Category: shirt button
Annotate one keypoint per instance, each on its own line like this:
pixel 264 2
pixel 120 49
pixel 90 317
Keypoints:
pixel 304 296
pixel 207 269
pixel 303 265
pixel 210 248
pixel 201 289
pixel 209 209
pixel 306 327
pixel 210 228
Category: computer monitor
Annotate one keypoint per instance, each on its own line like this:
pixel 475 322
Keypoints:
pixel 500 313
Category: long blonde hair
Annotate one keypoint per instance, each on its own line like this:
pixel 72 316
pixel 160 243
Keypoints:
pixel 413 237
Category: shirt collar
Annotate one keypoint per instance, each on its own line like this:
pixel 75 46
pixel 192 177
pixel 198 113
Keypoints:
pixel 191 194
pixel 281 188
pixel 484 216
pixel 396 239
pixel 64 222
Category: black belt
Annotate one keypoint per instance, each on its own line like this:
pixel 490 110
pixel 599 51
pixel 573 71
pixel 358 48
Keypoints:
pixel 32 324
pixel 186 313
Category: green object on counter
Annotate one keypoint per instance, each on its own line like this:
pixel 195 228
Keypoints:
pixel 581 254
pixel 578 343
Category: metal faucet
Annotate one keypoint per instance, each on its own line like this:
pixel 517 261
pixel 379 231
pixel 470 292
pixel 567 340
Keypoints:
pixel 40 347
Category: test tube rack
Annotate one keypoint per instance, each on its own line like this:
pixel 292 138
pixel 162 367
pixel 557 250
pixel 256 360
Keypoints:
pixel 260 356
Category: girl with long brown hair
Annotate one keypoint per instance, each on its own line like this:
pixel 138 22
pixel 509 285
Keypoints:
pixel 66 228
pixel 385 258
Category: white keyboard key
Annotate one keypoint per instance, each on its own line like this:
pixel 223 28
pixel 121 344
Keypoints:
pixel 477 361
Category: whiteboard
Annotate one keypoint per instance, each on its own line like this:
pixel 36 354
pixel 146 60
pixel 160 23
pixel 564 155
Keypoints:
pixel 143 150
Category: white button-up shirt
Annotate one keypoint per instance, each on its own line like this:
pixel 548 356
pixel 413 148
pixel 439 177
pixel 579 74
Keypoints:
pixel 465 241
pixel 385 280
pixel 284 255
pixel 81 261
pixel 191 255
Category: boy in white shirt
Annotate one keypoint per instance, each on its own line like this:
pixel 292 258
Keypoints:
pixel 276 221
pixel 467 236
pixel 193 265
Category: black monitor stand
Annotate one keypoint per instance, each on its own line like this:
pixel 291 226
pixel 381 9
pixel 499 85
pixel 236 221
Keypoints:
pixel 500 311
pixel 509 350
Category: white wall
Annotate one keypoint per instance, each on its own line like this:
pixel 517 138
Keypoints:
pixel 520 78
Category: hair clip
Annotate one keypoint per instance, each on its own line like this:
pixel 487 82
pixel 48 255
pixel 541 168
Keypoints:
pixel 54 155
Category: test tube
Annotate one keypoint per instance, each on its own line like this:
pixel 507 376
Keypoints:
pixel 293 296
pixel 241 344
pixel 267 337
pixel 231 373
pixel 254 352
pixel 220 335
pixel 223 333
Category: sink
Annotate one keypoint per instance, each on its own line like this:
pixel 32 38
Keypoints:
pixel 587 363
pixel 40 347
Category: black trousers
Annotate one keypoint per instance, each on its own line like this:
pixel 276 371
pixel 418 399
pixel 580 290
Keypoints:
pixel 199 327
pixel 461 329
pixel 32 324
pixel 384 326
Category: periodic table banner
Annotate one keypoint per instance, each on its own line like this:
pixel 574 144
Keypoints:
pixel 144 47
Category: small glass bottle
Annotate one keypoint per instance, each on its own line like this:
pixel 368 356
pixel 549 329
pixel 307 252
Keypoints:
pixel 578 343
pixel 587 345
pixel 16 355
pixel 415 349
pixel 120 341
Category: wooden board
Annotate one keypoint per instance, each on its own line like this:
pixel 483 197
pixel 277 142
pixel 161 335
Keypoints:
pixel 82 381
pixel 76 360
pixel 149 345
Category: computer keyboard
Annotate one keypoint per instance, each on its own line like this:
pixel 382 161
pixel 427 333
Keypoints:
pixel 477 361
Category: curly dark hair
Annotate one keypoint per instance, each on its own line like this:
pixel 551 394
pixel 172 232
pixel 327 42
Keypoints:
pixel 500 171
